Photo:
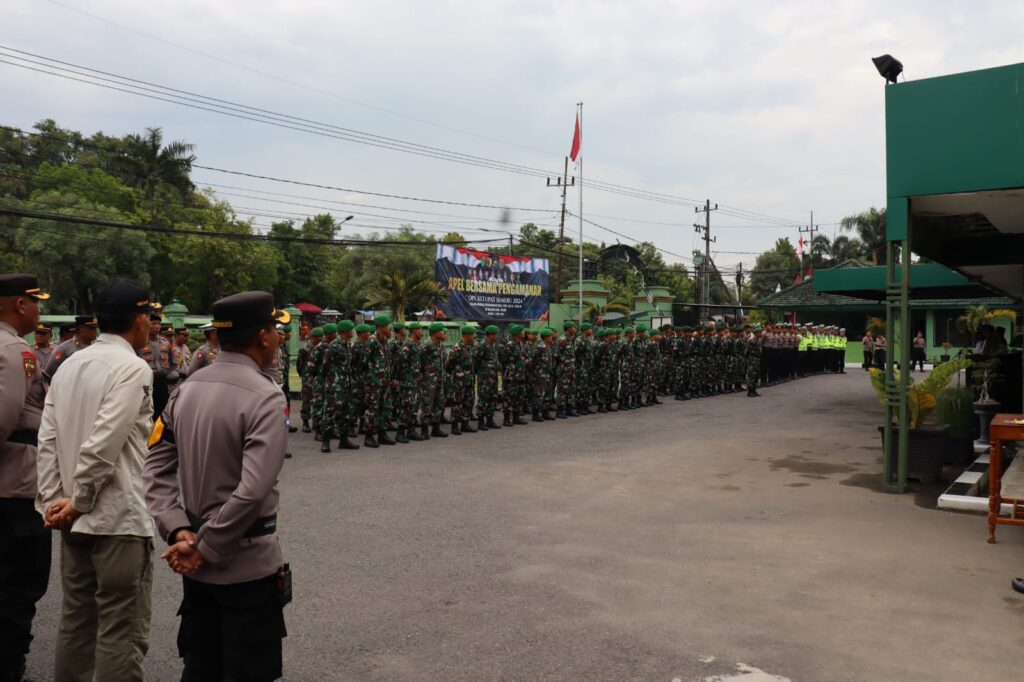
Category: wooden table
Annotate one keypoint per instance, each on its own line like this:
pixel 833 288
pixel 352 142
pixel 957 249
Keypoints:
pixel 1002 429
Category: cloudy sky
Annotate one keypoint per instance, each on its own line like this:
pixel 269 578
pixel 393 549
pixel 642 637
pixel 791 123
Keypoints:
pixel 766 108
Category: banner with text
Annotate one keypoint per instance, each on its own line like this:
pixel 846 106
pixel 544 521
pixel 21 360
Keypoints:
pixel 483 286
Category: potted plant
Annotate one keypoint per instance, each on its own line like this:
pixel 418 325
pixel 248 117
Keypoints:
pixel 927 451
pixel 984 375
pixel 946 345
pixel 956 410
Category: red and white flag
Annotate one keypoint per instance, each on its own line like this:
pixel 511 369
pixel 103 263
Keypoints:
pixel 801 245
pixel 577 140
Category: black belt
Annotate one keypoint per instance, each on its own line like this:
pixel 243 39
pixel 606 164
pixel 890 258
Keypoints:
pixel 264 526
pixel 25 437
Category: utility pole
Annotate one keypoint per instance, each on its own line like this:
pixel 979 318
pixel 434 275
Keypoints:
pixel 564 184
pixel 810 229
pixel 705 289
pixel 739 283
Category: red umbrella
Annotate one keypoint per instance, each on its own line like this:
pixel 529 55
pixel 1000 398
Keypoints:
pixel 308 308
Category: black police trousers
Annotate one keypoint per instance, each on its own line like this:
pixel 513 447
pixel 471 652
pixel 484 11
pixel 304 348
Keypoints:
pixel 25 548
pixel 231 632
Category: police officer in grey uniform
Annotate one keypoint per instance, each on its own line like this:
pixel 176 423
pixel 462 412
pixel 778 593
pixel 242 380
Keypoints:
pixel 85 334
pixel 211 484
pixel 159 353
pixel 24 543
pixel 42 347
pixel 206 354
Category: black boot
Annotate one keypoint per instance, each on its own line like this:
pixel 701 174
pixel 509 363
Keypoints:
pixel 508 419
pixel 560 414
pixel 370 441
pixel 425 432
pixel 317 436
pixel 400 437
pixel 517 419
pixel 457 429
pixel 346 444
pixel 325 444
pixel 572 412
pixel 445 420
pixel 292 428
pixel 612 408
pixel 601 409
pixel 305 426
pixel 492 424
pixel 467 427
pixel 655 401
pixel 413 434
pixel 481 424
pixel 436 432
pixel 548 417
pixel 752 393
pixel 384 439
pixel 537 417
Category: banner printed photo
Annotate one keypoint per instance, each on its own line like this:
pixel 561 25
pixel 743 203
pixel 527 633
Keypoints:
pixel 483 286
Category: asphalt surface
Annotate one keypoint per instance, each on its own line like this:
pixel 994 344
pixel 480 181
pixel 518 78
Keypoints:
pixel 720 539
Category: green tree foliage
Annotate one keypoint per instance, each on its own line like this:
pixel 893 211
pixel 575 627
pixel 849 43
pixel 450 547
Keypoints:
pixel 870 227
pixel 775 268
pixel 402 294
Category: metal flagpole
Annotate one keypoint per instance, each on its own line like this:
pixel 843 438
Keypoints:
pixel 580 283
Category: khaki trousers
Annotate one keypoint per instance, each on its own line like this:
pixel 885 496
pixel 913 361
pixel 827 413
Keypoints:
pixel 104 627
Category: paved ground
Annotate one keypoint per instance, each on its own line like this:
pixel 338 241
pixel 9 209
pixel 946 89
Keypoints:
pixel 710 539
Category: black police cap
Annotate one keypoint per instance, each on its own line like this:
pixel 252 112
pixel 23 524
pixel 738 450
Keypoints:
pixel 85 321
pixel 123 296
pixel 247 310
pixel 21 284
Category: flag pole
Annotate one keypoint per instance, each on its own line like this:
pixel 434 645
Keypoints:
pixel 580 282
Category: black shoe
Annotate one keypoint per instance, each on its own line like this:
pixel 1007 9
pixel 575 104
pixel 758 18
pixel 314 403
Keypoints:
pixel 753 394
pixel 548 417
pixel 601 409
pixel 317 436
pixel 517 419
pixel 400 437
pixel 384 439
pixel 572 412
pixel 305 427
pixel 425 432
pixel 325 445
pixel 292 429
pixel 508 420
pixel 586 410
pixel 1018 584
pixel 346 444
pixel 445 420
pixel 492 424
pixel 679 396
pixel 436 432
pixel 457 429
pixel 481 425
pixel 655 401
pixel 467 427
pixel 414 434
pixel 560 414
pixel 613 408
pixel 370 441
pixel 353 432
pixel 287 455
pixel 537 417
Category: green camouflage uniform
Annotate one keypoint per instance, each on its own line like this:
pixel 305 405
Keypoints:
pixel 584 371
pixel 433 387
pixel 625 364
pixel 566 371
pixel 338 360
pixel 408 373
pixel 512 356
pixel 753 362
pixel 373 381
pixel 316 361
pixel 652 367
pixel 303 364
pixel 486 365
pixel 459 370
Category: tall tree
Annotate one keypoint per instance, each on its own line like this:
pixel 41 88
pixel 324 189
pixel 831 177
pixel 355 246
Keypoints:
pixel 870 227
pixel 775 268
pixel 403 294
pixel 148 163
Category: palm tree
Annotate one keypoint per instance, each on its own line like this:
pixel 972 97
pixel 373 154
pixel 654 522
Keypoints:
pixel 147 163
pixel 870 226
pixel 843 249
pixel 595 311
pixel 398 293
pixel 821 249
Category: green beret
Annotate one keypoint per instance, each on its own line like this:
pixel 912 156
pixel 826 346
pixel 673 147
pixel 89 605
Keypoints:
pixel 568 324
pixel 666 327
pixel 364 328
pixel 317 331
pixel 330 328
pixel 601 333
pixel 758 329
pixel 547 331
pixel 641 328
pixel 585 326
pixel 468 330
pixel 515 329
pixel 398 326
pixel 628 330
pixel 346 326
pixel 531 332
pixel 491 329
pixel 436 327
pixel 382 320
pixel 686 329
pixel 413 326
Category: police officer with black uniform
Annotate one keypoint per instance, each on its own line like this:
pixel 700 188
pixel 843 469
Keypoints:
pixel 24 543
pixel 211 484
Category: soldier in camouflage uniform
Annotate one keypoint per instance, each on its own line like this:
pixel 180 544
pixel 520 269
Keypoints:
pixel 486 365
pixel 548 358
pixel 316 361
pixel 359 369
pixel 433 386
pixel 336 371
pixel 625 364
pixel 584 369
pixel 653 367
pixel 753 362
pixel 740 354
pixel 303 364
pixel 459 373
pixel 603 369
pixel 727 346
pixel 533 402
pixel 512 357
pixel 375 382
pixel 408 374
pixel 639 368
pixel 668 362
pixel 565 372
